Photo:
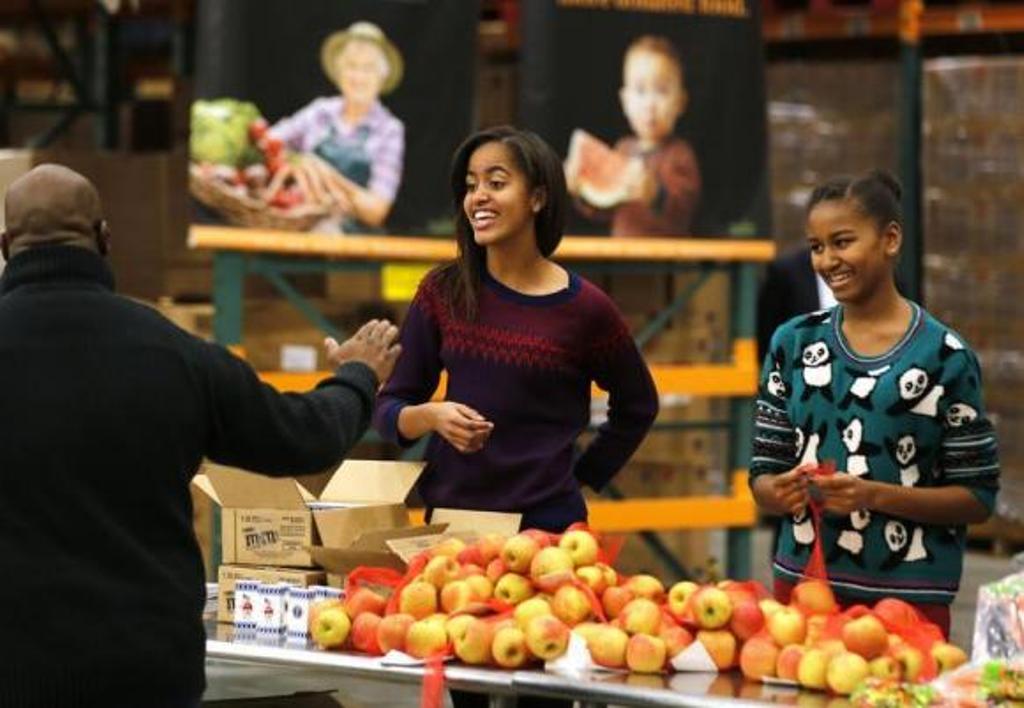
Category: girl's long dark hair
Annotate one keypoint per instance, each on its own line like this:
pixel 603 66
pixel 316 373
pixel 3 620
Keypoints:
pixel 460 279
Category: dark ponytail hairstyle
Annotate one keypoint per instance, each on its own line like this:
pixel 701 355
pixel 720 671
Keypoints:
pixel 460 279
pixel 877 194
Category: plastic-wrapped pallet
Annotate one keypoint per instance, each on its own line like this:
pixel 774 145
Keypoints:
pixel 826 118
pixel 973 158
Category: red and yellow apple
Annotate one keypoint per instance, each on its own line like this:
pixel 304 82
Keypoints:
pixel 813 669
pixel 676 638
pixel 418 599
pixel 450 547
pixel 886 667
pixel 787 626
pixel 543 538
pixel 551 568
pixel 518 552
pixel 495 569
pixel 758 658
pixel 611 576
pixel 711 608
pixel 392 631
pixel 365 600
pixel 679 594
pixel 594 578
pixel 481 587
pixel 947 656
pixel 364 633
pixel 546 637
pixel 845 672
pixel 746 621
pixel 614 599
pixel 331 627
pixel 470 556
pixel 456 595
pixel 509 648
pixel 490 545
pixel 426 637
pixel 645 654
pixel 814 596
pixel 720 645
pixel 768 606
pixel 513 588
pixel 866 636
pixel 474 646
pixel 457 625
pixel 648 586
pixel 911 661
pixel 788 663
pixel 607 646
pixel 441 570
pixel 640 616
pixel 581 545
pixel 894 611
pixel 571 605
pixel 530 608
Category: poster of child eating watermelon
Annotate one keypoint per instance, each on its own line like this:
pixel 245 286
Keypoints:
pixel 659 110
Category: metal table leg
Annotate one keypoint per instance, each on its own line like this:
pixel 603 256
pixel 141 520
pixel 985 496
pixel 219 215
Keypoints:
pixel 501 701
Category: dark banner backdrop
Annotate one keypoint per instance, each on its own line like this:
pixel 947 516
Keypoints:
pixel 573 78
pixel 268 52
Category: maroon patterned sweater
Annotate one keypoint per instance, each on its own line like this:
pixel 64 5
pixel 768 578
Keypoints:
pixel 526 364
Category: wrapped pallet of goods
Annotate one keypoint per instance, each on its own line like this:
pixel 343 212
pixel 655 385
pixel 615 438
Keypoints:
pixel 973 152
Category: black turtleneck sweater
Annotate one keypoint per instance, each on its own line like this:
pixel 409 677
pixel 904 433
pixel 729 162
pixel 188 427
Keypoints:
pixel 106 410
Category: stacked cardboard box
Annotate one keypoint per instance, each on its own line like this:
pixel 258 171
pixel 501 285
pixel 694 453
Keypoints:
pixel 274 529
pixel 675 462
pixel 974 213
pixel 312 530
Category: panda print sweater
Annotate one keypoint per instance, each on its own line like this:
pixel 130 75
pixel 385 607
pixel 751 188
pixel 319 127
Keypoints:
pixel 913 416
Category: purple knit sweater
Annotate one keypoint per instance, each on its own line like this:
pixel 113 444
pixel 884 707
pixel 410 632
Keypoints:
pixel 526 364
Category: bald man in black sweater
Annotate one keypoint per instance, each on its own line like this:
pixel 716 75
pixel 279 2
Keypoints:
pixel 106 411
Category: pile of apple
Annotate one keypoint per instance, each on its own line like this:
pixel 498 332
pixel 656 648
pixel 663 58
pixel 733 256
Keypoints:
pixel 510 601
pixel 811 644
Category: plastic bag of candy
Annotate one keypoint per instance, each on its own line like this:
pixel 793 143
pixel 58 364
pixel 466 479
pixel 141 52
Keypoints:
pixel 999 620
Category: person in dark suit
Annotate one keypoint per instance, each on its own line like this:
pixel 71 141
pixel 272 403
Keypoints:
pixel 789 288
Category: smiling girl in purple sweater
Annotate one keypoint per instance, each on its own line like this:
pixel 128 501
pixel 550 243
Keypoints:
pixel 521 339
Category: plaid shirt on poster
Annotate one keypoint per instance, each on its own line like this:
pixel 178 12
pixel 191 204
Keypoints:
pixel 306 129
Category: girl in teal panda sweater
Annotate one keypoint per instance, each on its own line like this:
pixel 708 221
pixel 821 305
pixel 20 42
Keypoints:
pixel 889 394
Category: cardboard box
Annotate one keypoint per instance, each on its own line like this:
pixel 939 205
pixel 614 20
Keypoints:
pixel 145 200
pixel 277 521
pixel 394 548
pixel 228 574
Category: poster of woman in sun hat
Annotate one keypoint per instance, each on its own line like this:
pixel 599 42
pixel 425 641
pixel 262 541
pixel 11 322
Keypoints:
pixel 353 132
pixel 340 118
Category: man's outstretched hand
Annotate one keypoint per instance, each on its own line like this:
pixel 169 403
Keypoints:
pixel 373 345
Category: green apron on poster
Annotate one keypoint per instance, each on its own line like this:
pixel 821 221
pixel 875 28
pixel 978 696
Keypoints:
pixel 348 156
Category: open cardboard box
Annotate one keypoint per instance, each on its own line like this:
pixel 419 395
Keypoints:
pixel 279 522
pixel 394 548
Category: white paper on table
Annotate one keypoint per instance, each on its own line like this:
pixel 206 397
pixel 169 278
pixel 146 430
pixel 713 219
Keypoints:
pixel 577 659
pixel 694 658
pixel 400 658
pixel 692 683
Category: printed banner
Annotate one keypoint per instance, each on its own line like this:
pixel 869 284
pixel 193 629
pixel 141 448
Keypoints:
pixel 658 109
pixel 331 116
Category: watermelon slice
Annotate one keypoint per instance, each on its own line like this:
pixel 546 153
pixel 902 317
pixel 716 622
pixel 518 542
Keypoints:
pixel 604 176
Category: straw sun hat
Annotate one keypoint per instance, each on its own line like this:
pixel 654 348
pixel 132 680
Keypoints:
pixel 367 32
